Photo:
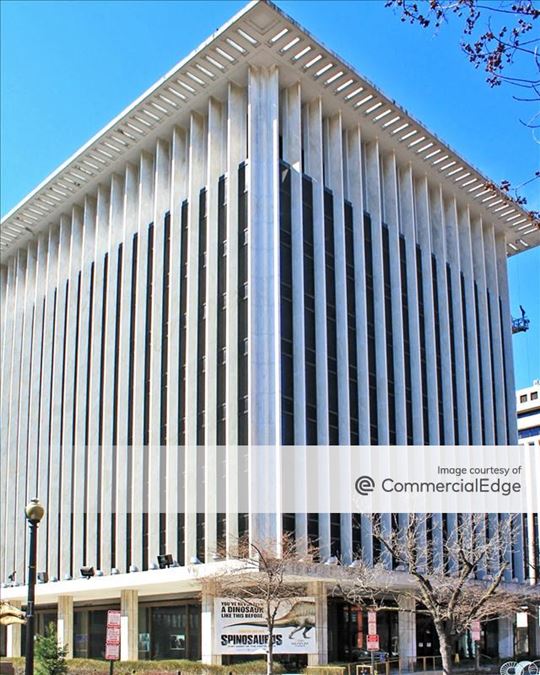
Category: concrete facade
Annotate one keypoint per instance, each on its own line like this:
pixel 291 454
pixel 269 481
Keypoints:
pixel 263 250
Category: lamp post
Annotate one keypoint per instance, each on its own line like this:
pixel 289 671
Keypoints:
pixel 34 513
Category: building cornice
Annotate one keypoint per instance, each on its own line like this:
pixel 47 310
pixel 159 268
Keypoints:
pixel 261 34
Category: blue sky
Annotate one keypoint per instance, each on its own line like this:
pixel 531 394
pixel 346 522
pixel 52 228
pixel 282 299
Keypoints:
pixel 69 67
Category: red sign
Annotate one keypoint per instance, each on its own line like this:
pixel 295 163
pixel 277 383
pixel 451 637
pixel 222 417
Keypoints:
pixel 112 640
pixel 372 623
pixel 475 631
pixel 373 643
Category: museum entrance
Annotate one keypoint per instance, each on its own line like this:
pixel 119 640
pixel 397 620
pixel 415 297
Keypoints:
pixel 348 627
pixel 427 642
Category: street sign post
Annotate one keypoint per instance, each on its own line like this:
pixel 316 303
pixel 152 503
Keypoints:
pixel 475 631
pixel 373 643
pixel 112 640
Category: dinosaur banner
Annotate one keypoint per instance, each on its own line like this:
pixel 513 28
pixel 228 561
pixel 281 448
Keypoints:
pixel 241 627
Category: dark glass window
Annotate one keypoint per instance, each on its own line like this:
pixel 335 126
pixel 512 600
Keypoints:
pixel 165 326
pixel 423 361
pixel 132 329
pixel 201 334
pixel 504 338
pixel 453 338
pixel 170 632
pixel 333 423
pixel 470 392
pixel 309 313
pixel 286 307
pixel 148 332
pixel 494 392
pixel 438 348
pixel 351 324
pixel 242 308
pixel 222 313
pixel 480 364
pixel 182 326
pixel 406 338
pixel 370 311
pixel 389 337
pixel 116 412
pixel 103 343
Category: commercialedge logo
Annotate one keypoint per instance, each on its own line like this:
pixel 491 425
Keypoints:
pixel 365 485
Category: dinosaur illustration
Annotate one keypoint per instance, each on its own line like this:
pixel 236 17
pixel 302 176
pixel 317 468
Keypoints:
pixel 10 614
pixel 301 617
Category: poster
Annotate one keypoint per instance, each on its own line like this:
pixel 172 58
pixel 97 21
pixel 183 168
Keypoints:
pixel 240 627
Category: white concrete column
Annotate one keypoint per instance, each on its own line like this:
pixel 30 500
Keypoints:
pixel 506 330
pixel 373 198
pixel 423 234
pixel 197 177
pixel 67 495
pixel 435 214
pixel 392 221
pixel 109 361
pixel 407 222
pixel 45 401
pixel 494 316
pixel 96 354
pixel 129 227
pixel 467 267
pixel 174 461
pixel 317 589
pixel 236 153
pixel 64 628
pixel 291 121
pixel 452 254
pixel 313 157
pixel 334 129
pixel 478 248
pixel 264 362
pixel 13 635
pixel 81 381
pixel 207 625
pixel 354 174
pixel 407 630
pixel 506 638
pixel 129 625
pixel 215 168
pixel 156 469
pixel 25 383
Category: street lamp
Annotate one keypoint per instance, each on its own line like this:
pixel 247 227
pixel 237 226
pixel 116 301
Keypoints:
pixel 34 513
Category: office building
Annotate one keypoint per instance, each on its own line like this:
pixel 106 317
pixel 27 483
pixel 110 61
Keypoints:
pixel 262 249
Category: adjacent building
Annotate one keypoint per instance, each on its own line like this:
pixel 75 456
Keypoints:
pixel 262 249
pixel 528 414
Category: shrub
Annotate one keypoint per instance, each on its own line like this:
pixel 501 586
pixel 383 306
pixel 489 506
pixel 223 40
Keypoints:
pixel 50 657
pixel 96 667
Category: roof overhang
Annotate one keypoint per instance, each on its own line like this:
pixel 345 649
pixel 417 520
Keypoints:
pixel 261 34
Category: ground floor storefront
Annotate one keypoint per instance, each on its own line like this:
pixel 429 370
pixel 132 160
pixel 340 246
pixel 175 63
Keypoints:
pixel 171 614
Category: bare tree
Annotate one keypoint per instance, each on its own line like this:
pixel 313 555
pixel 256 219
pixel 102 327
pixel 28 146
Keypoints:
pixel 499 37
pixel 456 577
pixel 267 576
pixel 496 35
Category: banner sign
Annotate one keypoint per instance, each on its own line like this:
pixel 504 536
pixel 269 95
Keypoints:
pixel 476 631
pixel 240 627
pixel 112 640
